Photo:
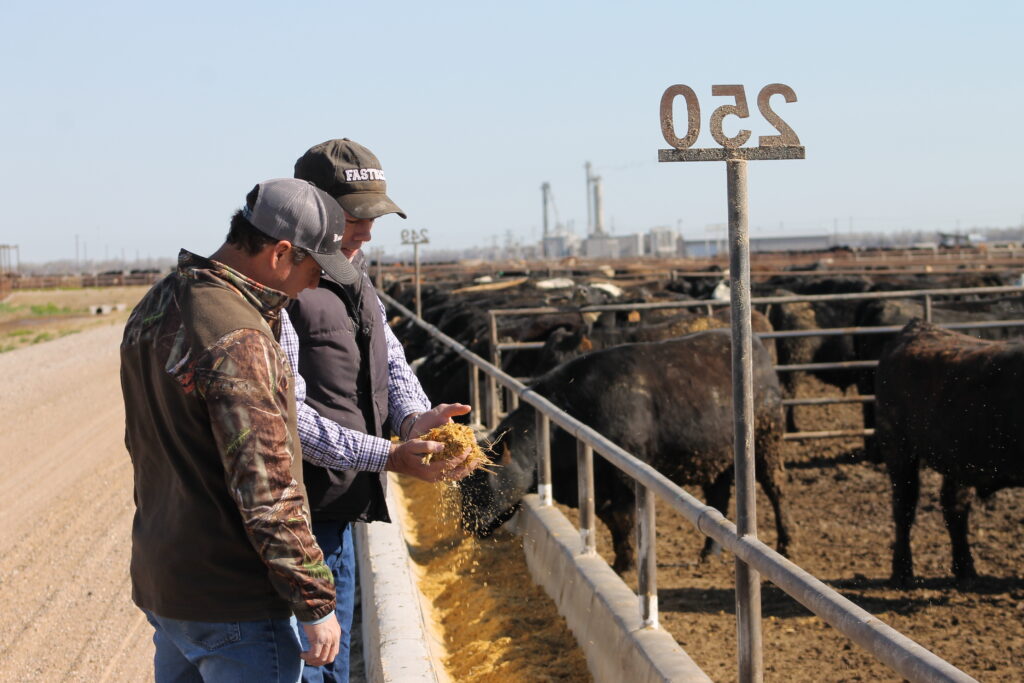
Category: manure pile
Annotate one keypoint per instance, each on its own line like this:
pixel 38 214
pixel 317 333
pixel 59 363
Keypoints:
pixel 497 625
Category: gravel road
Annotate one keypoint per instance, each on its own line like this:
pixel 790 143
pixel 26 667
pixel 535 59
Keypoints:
pixel 65 516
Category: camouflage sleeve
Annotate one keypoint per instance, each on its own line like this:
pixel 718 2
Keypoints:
pixel 245 383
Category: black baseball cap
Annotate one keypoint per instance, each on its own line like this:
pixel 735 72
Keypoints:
pixel 299 212
pixel 351 174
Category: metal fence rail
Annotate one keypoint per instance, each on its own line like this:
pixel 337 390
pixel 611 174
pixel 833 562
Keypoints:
pixel 497 347
pixel 902 654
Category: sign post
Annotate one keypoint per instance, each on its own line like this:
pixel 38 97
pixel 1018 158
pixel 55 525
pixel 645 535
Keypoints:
pixel 785 145
pixel 416 238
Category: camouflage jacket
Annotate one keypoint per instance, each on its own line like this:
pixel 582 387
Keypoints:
pixel 222 527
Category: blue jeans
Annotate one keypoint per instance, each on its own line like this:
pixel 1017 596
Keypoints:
pixel 335 539
pixel 265 651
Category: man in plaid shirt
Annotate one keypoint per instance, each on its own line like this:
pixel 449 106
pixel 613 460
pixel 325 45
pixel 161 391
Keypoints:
pixel 357 384
pixel 327 444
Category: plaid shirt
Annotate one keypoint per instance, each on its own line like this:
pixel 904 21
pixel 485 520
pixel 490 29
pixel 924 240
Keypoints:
pixel 328 444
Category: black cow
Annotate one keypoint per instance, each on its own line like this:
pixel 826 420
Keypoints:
pixel 956 404
pixel 669 403
pixel 566 343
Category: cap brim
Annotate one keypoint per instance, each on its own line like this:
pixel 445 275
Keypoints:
pixel 337 267
pixel 368 205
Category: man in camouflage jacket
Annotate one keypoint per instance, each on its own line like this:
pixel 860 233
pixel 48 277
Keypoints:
pixel 223 558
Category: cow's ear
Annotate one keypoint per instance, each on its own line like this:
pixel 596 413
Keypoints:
pixel 506 455
pixel 586 344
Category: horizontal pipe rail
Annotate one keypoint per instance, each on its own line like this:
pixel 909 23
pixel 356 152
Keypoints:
pixel 838 365
pixel 891 647
pixel 505 346
pixel 830 434
pixel 868 398
pixel 758 300
pixel 826 332
pixel 887 329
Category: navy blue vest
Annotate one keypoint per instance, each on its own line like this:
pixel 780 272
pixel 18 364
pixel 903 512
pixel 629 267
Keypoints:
pixel 343 357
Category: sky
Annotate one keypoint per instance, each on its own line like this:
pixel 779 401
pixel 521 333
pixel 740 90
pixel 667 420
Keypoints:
pixel 137 128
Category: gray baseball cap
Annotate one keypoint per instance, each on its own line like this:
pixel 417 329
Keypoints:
pixel 299 212
pixel 351 174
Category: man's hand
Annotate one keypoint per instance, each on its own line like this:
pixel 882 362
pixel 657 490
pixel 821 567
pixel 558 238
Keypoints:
pixel 440 414
pixel 323 641
pixel 407 458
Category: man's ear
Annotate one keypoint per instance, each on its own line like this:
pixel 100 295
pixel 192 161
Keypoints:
pixel 278 252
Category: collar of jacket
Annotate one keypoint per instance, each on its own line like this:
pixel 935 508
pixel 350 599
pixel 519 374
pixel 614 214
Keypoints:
pixel 359 261
pixel 266 300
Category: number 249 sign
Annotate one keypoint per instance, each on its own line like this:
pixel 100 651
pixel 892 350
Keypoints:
pixel 786 137
pixel 415 236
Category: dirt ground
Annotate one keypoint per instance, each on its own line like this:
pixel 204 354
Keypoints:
pixel 65 516
pixel 840 511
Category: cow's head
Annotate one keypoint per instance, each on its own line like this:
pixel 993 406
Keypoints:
pixel 489 499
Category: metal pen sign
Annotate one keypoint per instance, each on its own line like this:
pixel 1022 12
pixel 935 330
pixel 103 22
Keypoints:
pixel 784 145
pixel 416 238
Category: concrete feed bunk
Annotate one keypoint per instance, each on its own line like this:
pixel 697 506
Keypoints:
pixel 439 605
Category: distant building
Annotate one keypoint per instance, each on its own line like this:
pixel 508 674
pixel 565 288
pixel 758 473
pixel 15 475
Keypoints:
pixel 559 246
pixel 792 243
pixel 663 242
pixel 711 247
pixel 603 246
pixel 630 246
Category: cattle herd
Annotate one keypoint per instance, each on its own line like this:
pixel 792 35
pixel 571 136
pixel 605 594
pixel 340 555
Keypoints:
pixel 657 382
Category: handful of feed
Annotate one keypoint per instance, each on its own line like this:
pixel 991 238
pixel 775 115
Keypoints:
pixel 456 439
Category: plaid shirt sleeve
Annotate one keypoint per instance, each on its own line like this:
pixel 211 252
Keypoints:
pixel 325 442
pixel 405 394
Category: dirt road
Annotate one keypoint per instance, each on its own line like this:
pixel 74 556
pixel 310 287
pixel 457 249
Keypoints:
pixel 65 516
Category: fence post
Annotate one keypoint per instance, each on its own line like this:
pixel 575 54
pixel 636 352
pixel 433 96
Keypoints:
pixel 493 397
pixel 748 581
pixel 474 395
pixel 585 491
pixel 543 429
pixel 647 556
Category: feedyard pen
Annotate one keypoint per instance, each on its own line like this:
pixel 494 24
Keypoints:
pixel 900 653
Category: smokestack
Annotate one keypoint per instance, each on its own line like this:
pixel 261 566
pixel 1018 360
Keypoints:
pixel 590 219
pixel 545 189
pixel 598 208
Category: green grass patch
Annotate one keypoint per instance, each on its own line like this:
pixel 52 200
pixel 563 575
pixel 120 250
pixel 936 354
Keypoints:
pixel 19 333
pixel 49 309
pixel 43 337
pixel 65 333
pixel 9 308
pixel 7 347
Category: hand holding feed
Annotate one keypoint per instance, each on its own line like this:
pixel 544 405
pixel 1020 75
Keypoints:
pixel 439 415
pixel 415 458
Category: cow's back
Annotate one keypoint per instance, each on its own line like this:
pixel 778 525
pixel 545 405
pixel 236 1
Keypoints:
pixel 668 402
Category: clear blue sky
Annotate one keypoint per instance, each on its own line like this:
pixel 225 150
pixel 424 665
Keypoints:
pixel 141 126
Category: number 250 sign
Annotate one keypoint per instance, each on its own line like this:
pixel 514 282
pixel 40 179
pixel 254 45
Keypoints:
pixel 785 138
